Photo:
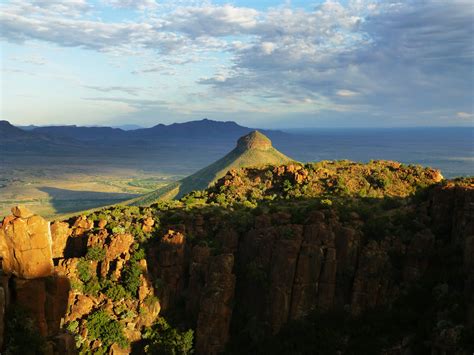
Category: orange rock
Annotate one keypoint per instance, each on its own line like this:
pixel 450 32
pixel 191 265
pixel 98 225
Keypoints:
pixel 102 223
pixel 21 211
pixel 81 307
pixel 173 237
pixel 149 221
pixel 119 245
pixel 60 233
pixel 145 289
pixel 26 246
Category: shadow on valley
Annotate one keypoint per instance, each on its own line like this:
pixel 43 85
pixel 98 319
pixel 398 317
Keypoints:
pixel 67 201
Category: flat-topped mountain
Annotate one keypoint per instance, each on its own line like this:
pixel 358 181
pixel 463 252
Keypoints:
pixel 253 149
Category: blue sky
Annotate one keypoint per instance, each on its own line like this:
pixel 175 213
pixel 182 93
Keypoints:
pixel 353 63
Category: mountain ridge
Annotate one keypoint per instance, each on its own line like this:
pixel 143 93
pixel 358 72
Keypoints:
pixel 202 129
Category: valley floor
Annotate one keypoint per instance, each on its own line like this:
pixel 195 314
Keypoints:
pixel 52 192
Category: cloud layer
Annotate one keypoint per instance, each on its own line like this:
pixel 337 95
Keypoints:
pixel 406 59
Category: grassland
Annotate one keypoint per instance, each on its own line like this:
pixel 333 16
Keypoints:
pixel 51 192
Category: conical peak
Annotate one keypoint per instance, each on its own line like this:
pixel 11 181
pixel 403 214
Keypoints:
pixel 254 140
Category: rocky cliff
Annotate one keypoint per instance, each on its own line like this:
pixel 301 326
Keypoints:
pixel 329 258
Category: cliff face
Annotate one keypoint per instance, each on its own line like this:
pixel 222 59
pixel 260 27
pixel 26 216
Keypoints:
pixel 59 297
pixel 277 270
pixel 242 276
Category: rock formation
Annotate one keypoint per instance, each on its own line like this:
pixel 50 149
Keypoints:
pixel 26 245
pixel 247 272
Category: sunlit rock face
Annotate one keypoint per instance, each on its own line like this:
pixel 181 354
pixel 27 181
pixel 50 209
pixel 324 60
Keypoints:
pixel 26 245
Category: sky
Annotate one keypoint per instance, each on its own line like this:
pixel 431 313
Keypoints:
pixel 265 63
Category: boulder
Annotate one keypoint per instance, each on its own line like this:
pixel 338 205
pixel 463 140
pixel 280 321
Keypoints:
pixel 21 211
pixel 81 307
pixel 26 246
pixel 102 223
pixel 119 245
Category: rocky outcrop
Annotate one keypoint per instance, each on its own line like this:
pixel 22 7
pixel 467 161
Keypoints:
pixel 26 245
pixel 28 279
pixel 229 273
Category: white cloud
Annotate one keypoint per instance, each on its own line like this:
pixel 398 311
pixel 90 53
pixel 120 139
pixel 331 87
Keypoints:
pixel 212 20
pixel 135 103
pixel 465 115
pixel 346 93
pixel 132 4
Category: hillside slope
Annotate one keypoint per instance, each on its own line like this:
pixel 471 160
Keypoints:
pixel 253 149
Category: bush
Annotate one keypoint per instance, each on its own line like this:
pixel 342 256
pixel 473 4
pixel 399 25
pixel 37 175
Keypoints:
pixel 95 253
pixel 131 277
pixel 116 291
pixel 161 338
pixel 92 287
pixel 84 270
pixel 101 326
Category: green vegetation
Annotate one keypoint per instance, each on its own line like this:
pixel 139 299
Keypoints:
pixel 163 339
pixel 101 326
pixel 126 287
pixel 95 253
pixel 131 278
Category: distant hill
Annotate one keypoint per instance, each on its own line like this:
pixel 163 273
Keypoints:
pixel 204 128
pixel 83 133
pixel 15 139
pixel 253 149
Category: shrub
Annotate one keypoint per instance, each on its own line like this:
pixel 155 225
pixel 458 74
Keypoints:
pixel 131 277
pixel 84 270
pixel 95 253
pixel 116 291
pixel 92 287
pixel 139 254
pixel 161 338
pixel 101 326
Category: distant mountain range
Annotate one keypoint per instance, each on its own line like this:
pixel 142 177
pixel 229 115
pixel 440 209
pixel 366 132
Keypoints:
pixel 253 149
pixel 194 130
